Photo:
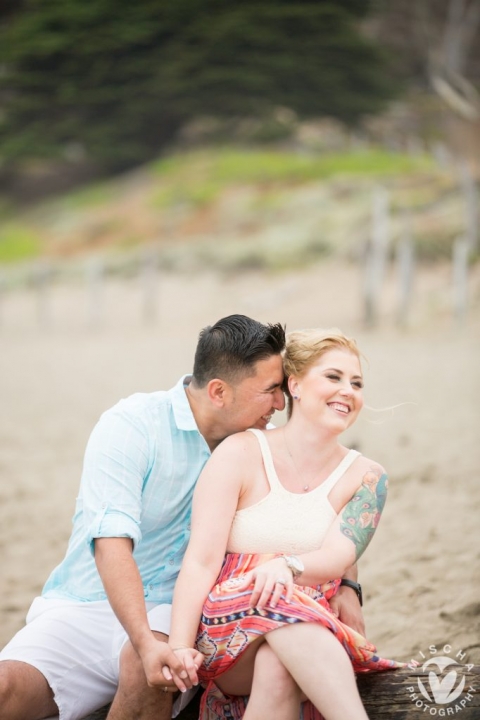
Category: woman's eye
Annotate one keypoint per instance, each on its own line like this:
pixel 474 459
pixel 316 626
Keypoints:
pixel 358 385
pixel 333 377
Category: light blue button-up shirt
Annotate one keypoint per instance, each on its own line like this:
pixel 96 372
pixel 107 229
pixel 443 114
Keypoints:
pixel 141 464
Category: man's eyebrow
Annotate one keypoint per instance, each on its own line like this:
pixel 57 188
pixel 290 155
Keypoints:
pixel 273 386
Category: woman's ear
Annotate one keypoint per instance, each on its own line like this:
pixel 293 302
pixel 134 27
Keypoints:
pixel 293 386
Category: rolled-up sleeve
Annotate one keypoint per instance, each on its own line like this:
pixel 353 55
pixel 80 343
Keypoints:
pixel 115 467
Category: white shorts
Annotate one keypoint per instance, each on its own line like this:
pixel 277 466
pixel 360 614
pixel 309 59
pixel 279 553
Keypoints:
pixel 77 646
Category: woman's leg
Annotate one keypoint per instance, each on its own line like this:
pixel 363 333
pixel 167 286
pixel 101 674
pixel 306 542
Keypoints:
pixel 274 693
pixel 260 674
pixel 321 668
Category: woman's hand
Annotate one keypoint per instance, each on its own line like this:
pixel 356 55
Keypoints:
pixel 191 660
pixel 270 581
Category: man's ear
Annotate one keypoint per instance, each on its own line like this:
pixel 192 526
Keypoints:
pixel 217 392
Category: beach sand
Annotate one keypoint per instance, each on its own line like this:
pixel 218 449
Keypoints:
pixel 420 575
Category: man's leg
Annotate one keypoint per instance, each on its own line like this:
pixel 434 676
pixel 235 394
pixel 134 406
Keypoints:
pixel 134 699
pixel 24 692
pixel 60 662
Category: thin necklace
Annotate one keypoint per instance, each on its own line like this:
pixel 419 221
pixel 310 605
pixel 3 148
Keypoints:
pixel 306 488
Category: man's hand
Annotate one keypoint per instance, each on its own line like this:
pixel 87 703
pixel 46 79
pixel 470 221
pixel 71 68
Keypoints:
pixel 160 662
pixel 346 606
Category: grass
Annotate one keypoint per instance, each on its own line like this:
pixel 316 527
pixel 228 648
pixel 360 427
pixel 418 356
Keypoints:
pixel 17 243
pixel 231 166
pixel 90 196
pixel 196 178
pixel 262 201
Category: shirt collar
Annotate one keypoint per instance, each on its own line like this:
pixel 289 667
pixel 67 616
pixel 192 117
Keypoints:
pixel 182 411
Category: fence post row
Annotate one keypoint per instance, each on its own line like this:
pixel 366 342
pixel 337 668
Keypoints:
pixel 377 255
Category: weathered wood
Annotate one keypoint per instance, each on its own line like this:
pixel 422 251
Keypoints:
pixel 376 256
pixel 95 276
pixel 396 695
pixel 461 250
pixel 149 283
pixel 190 712
pixel 41 281
pixel 471 206
pixel 405 266
pixel 393 695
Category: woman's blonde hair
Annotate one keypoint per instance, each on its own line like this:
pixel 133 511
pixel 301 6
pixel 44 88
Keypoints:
pixel 304 347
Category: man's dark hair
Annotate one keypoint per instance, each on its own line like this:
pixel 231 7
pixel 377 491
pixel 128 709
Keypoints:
pixel 230 349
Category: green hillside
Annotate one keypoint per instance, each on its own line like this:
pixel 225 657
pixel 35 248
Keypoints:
pixel 229 208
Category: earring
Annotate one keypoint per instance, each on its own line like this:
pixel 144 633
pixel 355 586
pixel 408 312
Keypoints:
pixel 296 397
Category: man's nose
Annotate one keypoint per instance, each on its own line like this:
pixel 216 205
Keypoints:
pixel 278 399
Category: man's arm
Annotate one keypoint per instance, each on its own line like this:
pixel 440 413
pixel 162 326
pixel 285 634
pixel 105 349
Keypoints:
pixel 123 585
pixel 346 605
pixel 116 462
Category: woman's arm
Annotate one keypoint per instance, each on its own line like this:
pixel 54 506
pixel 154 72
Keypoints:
pixel 346 540
pixel 214 504
pixel 351 532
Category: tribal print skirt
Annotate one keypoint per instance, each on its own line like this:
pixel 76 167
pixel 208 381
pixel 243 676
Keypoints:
pixel 229 625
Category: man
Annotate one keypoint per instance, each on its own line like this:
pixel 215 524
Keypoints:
pixel 99 629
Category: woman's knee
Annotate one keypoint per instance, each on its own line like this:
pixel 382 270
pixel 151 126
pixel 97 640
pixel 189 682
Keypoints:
pixel 271 674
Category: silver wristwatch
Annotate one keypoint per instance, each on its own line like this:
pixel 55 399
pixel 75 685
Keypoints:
pixel 294 564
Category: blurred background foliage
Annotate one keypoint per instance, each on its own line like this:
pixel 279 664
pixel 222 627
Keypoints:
pixel 181 102
pixel 116 80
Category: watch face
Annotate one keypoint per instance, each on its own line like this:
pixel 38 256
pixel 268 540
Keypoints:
pixel 295 564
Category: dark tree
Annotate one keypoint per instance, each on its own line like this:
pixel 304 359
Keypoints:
pixel 119 78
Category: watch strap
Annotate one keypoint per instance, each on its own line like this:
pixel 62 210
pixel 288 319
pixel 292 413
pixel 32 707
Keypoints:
pixel 356 587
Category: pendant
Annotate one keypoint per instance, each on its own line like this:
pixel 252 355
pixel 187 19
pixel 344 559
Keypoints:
pixel 305 488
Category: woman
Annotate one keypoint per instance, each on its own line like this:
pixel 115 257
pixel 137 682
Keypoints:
pixel 287 512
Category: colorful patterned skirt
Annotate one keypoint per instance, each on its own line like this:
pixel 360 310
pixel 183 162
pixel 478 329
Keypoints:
pixel 229 625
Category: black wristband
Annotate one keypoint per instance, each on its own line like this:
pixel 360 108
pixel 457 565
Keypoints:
pixel 356 587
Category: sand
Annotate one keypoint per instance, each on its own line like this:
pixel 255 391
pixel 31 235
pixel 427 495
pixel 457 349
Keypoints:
pixel 421 573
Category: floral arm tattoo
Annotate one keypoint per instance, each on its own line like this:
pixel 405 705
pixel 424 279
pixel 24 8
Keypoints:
pixel 362 514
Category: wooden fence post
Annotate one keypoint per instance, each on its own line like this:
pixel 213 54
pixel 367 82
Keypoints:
pixel 3 285
pixel 41 278
pixel 461 251
pixel 376 257
pixel 471 206
pixel 95 272
pixel 149 280
pixel 405 259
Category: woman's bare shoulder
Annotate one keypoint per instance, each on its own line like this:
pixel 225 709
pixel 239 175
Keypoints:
pixel 241 447
pixel 365 465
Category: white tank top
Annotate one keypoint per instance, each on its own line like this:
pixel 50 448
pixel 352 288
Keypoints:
pixel 282 521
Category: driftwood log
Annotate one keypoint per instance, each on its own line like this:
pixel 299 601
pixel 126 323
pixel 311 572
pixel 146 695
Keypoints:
pixel 394 695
